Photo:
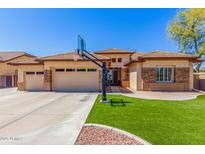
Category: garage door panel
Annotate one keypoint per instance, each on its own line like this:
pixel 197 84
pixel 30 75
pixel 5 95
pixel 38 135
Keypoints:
pixel 75 81
pixel 34 82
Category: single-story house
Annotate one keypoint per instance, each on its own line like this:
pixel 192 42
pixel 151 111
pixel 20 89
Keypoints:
pixel 8 73
pixel 62 72
pixel 164 71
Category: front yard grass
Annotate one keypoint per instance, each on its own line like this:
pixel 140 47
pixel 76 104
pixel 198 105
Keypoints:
pixel 156 121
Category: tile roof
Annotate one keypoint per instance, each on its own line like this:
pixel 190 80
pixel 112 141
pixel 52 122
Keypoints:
pixel 68 56
pixel 72 56
pixel 6 56
pixel 160 54
pixel 140 56
pixel 114 51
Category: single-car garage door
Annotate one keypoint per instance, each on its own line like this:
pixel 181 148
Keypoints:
pixel 76 80
pixel 34 80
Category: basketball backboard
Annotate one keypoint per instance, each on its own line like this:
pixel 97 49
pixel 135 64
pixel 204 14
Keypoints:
pixel 81 45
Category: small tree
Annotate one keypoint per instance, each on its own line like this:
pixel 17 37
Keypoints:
pixel 188 30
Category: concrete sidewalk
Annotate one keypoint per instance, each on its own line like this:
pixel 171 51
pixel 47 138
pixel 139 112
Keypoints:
pixel 164 95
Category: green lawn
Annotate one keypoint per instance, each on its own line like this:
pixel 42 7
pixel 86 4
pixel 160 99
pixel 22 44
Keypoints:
pixel 156 121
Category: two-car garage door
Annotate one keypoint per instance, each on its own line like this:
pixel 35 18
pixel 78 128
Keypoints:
pixel 75 80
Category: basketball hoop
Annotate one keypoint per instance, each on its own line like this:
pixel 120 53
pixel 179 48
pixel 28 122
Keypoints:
pixel 85 54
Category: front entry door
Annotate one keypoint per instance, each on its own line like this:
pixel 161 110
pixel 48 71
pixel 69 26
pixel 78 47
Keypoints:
pixel 115 77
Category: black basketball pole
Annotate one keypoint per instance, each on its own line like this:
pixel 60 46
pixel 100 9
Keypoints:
pixel 85 54
pixel 104 82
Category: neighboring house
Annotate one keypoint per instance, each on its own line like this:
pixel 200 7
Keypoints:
pixel 8 73
pixel 137 70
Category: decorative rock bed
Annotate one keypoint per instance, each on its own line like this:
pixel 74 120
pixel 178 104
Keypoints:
pixel 96 135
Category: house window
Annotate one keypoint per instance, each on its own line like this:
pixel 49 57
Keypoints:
pixel 91 70
pixel 70 70
pixel 81 70
pixel 30 73
pixel 165 74
pixel 114 60
pixel 39 73
pixel 119 60
pixel 60 70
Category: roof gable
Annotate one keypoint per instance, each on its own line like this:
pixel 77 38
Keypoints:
pixel 32 61
pixel 7 56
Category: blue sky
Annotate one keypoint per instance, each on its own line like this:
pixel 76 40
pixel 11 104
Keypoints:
pixel 49 31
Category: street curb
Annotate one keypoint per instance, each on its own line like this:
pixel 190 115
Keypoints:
pixel 120 131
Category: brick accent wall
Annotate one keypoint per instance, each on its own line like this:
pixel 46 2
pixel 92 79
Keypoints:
pixel 182 75
pixel 181 80
pixel 149 75
pixel 48 80
pixel 21 86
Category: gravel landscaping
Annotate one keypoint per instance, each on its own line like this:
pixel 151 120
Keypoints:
pixel 91 135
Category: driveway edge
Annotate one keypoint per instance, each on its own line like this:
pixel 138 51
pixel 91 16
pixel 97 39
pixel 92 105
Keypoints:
pixel 120 131
pixel 85 118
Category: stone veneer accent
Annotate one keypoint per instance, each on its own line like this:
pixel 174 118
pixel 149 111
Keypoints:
pixel 124 77
pixel 48 80
pixel 181 82
pixel 124 74
pixel 21 86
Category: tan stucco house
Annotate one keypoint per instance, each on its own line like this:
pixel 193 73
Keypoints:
pixel 8 73
pixel 163 71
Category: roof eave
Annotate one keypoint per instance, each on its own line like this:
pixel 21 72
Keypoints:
pixel 72 60
pixel 132 62
pixel 198 60
pixel 114 52
pixel 17 64
pixel 188 58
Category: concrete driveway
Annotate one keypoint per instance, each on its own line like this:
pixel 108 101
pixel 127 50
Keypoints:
pixel 42 117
